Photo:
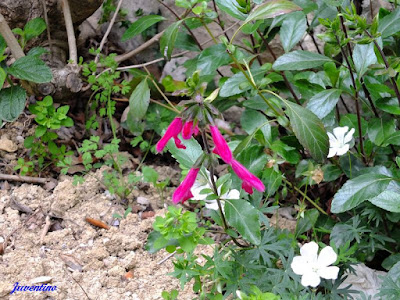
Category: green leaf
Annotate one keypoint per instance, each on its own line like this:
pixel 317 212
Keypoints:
pixel 167 42
pixel 272 180
pixel 363 56
pixel 324 102
pixel 309 130
pixel 300 60
pixel 34 28
pixel 244 218
pixel 252 120
pixel 390 261
pixel 139 101
pixel 390 105
pixel 141 25
pixel 390 24
pixel 380 129
pixel 12 102
pixel 234 85
pixel 186 157
pixel 350 120
pixel 253 158
pixel 390 287
pixel 271 9
pixel 332 72
pixel 393 139
pixel 3 76
pixel 32 69
pixel 292 30
pixel 231 8
pixel 306 223
pixel 387 200
pixel 149 174
pixel 212 58
pixel 307 5
pixel 358 190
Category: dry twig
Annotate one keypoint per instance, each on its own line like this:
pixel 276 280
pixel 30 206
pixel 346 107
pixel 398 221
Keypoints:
pixel 10 39
pixel 73 52
pixel 24 178
pixel 45 229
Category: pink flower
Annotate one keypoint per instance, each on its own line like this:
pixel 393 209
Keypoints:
pixel 249 180
pixel 172 132
pixel 183 193
pixel 221 147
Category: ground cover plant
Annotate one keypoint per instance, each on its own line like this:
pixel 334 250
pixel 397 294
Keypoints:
pixel 318 135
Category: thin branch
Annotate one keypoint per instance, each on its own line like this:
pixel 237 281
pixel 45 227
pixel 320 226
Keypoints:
pixel 46 19
pixel 10 39
pixel 103 40
pixel 311 34
pixel 73 52
pixel 24 178
pixel 45 229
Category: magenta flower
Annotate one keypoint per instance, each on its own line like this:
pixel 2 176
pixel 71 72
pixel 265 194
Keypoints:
pixel 249 179
pixel 221 147
pixel 172 132
pixel 187 130
pixel 183 193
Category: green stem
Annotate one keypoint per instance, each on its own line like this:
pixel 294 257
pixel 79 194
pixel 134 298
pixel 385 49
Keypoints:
pixel 305 196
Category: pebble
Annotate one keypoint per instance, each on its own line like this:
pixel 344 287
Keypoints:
pixel 142 201
pixel 41 279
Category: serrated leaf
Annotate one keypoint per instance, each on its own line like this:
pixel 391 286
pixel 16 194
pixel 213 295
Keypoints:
pixel 390 24
pixel 244 218
pixel 141 25
pixel 292 30
pixel 31 68
pixel 34 28
pixel 12 102
pixel 167 41
pixel 358 190
pixel 309 130
pixel 271 9
pixel 300 60
pixel 324 102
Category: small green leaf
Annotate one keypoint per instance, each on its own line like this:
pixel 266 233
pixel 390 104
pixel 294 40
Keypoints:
pixel 244 218
pixel 3 76
pixel 358 190
pixel 273 180
pixel 389 105
pixel 231 8
pixel 149 175
pixel 332 72
pixel 350 120
pixel 300 60
pixel 324 102
pixel 292 30
pixel 212 58
pixel 380 129
pixel 186 157
pixel 34 28
pixel 309 130
pixel 12 102
pixel 139 101
pixel 271 9
pixel 363 56
pixel 389 25
pixel 141 25
pixel 32 69
pixel 306 223
pixel 167 42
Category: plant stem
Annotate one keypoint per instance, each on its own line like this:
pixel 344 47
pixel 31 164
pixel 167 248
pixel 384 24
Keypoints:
pixel 73 52
pixel 305 196
pixel 10 39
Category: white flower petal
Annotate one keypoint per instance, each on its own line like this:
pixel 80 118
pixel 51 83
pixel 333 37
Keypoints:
pixel 232 194
pixel 326 257
pixel 343 150
pixel 349 136
pixel 310 279
pixel 332 152
pixel 332 138
pixel 212 204
pixel 310 251
pixel 339 132
pixel 300 265
pixel 197 188
pixel 329 272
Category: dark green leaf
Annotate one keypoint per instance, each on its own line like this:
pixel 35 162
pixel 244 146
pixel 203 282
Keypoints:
pixel 252 120
pixel 167 42
pixel 390 24
pixel 387 200
pixel 141 25
pixel 307 5
pixel 272 180
pixel 3 76
pixel 331 172
pixel 292 30
pixel 393 139
pixel 244 218
pixel 390 261
pixel 309 130
pixel 12 102
pixel 139 101
pixel 363 56
pixel 390 105
pixel 271 9
pixel 212 58
pixel 300 60
pixel 306 223
pixel 231 8
pixel 324 102
pixel 234 85
pixel 350 120
pixel 34 28
pixel 380 130
pixel 358 190
pixel 32 69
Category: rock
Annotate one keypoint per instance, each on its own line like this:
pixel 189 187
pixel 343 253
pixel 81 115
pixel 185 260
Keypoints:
pixel 143 201
pixel 7 145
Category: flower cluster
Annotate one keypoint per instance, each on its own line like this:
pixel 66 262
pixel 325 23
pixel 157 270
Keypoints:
pixel 189 128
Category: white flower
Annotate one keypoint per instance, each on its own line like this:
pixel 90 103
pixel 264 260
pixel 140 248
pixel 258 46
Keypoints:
pixel 202 183
pixel 339 141
pixel 312 267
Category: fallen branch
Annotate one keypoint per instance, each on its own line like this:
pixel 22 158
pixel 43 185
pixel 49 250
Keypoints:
pixel 24 178
pixel 45 229
pixel 73 52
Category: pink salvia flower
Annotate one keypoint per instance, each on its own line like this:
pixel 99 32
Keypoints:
pixel 187 130
pixel 172 132
pixel 183 193
pixel 221 147
pixel 250 181
pixel 178 143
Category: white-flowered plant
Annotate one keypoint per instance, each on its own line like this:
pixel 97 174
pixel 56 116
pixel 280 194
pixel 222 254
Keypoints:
pixel 202 183
pixel 312 267
pixel 339 141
